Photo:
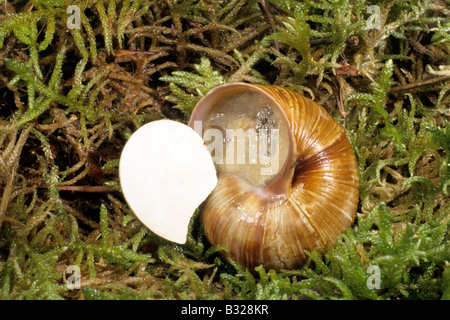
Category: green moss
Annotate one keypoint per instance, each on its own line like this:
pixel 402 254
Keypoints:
pixel 69 99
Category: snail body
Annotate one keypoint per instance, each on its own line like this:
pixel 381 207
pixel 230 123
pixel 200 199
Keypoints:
pixel 298 205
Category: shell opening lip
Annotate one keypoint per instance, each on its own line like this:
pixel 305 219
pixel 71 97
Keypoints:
pixel 281 183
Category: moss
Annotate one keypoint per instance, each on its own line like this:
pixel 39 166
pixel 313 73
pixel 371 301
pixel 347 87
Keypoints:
pixel 69 99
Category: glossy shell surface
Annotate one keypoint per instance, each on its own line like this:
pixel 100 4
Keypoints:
pixel 305 207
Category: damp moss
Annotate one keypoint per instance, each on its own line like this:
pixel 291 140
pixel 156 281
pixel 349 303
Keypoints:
pixel 70 98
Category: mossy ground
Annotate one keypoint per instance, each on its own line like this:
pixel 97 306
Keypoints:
pixel 69 99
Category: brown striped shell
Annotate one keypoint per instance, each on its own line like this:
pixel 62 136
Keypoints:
pixel 308 203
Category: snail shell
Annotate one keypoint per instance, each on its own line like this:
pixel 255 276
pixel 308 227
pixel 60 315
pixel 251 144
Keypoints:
pixel 310 199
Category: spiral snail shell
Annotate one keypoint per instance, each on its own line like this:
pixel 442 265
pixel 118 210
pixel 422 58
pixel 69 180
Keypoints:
pixel 267 214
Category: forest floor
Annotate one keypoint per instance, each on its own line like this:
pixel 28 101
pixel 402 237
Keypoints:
pixel 77 78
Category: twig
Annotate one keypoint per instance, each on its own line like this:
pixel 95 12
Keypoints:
pixel 419 84
pixel 124 52
pixel 90 189
pixel 338 93
pixel 12 220
pixel 265 8
pixel 351 41
pixel 320 41
pixel 434 58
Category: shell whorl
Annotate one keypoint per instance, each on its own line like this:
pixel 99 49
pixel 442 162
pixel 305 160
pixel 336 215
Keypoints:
pixel 305 207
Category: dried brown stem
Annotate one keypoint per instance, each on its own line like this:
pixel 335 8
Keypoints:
pixel 419 84
pixel 90 189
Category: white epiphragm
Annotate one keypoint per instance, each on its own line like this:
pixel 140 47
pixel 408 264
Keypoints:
pixel 165 173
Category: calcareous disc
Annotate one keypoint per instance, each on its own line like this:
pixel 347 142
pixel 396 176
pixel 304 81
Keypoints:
pixel 165 173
